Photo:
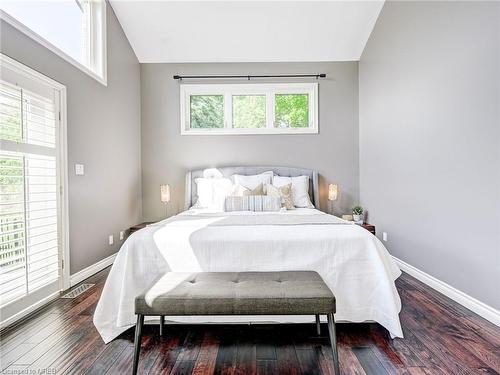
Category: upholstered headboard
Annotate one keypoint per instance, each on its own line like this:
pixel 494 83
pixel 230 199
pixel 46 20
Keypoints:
pixel 192 196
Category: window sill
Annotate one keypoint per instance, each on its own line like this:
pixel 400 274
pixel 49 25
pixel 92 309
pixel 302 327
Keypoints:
pixel 250 131
pixel 45 43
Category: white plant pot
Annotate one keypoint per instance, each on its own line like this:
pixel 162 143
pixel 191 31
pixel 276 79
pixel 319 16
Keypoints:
pixel 357 218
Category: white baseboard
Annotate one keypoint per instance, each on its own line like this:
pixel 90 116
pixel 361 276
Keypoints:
pixel 21 314
pixel 91 270
pixel 480 308
pixel 74 279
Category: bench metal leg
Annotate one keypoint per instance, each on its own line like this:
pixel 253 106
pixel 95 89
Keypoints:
pixel 137 342
pixel 318 325
pixel 333 341
pixel 162 323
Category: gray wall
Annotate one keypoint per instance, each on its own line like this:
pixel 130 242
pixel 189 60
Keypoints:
pixel 430 139
pixel 103 134
pixel 167 156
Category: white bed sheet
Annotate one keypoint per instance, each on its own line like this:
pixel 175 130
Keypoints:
pixel 353 262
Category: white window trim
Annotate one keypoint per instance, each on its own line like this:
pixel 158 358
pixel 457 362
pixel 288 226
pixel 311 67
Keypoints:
pixel 186 90
pixel 22 69
pixel 44 42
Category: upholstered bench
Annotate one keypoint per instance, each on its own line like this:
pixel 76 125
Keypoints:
pixel 237 293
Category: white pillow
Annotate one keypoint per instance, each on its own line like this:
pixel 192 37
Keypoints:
pixel 238 190
pixel 212 192
pixel 204 191
pixel 251 182
pixel 300 189
pixel 222 188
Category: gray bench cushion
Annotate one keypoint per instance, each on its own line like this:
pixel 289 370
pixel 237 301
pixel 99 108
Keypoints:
pixel 237 293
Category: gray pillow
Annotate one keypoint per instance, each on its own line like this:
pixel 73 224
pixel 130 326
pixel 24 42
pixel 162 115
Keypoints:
pixel 252 203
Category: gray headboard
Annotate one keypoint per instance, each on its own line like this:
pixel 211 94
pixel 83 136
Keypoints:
pixel 191 195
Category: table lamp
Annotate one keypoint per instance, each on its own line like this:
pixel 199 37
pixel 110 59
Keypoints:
pixel 165 196
pixel 332 195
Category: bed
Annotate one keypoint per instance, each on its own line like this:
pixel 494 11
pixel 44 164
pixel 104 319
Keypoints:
pixel 353 262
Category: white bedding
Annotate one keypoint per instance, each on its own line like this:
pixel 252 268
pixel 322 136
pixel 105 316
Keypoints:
pixel 354 263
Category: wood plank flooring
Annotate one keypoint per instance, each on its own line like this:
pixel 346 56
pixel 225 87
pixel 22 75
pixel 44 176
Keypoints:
pixel 441 337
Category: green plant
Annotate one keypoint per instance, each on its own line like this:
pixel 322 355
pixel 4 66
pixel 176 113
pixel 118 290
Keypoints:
pixel 357 210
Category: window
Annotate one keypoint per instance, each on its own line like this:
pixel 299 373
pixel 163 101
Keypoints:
pixel 31 168
pixel 74 29
pixel 286 108
pixel 207 111
pixel 291 111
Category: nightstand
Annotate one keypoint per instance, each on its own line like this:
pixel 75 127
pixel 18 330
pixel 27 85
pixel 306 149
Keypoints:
pixel 370 228
pixel 136 227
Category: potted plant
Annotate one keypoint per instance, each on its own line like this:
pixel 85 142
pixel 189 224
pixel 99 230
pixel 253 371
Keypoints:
pixel 357 213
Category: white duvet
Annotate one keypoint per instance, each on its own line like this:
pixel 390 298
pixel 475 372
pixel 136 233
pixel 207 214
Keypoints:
pixel 353 262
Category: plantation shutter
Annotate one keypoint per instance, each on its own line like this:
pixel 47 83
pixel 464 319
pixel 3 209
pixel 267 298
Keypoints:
pixel 29 194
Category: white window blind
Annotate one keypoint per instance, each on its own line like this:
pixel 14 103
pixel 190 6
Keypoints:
pixel 29 225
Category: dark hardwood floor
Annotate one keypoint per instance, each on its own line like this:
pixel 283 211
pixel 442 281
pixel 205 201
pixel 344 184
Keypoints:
pixel 441 337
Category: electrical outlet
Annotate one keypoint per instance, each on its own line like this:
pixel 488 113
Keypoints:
pixel 79 169
pixel 122 235
pixel 384 236
pixel 111 239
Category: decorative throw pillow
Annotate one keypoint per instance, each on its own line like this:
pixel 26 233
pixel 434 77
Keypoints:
pixel 251 182
pixel 255 203
pixel 284 192
pixel 259 190
pixel 300 189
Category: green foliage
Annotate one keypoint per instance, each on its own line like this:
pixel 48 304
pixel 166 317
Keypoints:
pixel 10 120
pixel 292 111
pixel 207 111
pixel 357 210
pixel 249 111
pixel 11 173
pixel 11 219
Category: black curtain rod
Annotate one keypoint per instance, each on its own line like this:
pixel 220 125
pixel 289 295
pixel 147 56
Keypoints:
pixel 317 76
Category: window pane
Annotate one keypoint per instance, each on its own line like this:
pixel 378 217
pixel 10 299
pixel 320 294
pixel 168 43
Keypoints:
pixel 28 224
pixel 67 33
pixel 291 111
pixel 207 111
pixel 11 128
pixel 249 111
pixel 12 219
pixel 26 117
pixel 39 120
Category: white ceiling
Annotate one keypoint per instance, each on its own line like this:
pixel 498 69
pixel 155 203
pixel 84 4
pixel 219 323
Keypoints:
pixel 247 31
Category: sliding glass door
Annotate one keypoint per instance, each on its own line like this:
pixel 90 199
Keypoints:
pixel 31 227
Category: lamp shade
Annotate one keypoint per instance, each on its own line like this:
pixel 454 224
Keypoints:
pixel 332 192
pixel 164 193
